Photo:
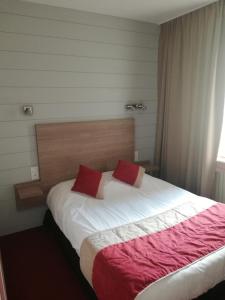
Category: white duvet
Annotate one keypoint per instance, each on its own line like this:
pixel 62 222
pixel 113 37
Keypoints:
pixel 79 216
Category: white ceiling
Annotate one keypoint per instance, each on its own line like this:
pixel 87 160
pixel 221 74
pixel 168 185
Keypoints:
pixel 155 11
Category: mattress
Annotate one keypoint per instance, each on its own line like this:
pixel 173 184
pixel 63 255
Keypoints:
pixel 79 216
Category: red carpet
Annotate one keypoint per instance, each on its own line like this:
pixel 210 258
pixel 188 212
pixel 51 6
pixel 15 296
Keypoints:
pixel 35 268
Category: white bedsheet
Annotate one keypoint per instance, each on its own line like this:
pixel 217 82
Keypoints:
pixel 78 216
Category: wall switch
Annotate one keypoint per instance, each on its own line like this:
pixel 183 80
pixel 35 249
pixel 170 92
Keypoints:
pixel 34 173
pixel 136 154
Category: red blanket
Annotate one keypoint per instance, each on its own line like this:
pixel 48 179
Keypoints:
pixel 131 266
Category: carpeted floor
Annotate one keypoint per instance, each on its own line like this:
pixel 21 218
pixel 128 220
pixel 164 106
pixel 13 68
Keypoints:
pixel 36 269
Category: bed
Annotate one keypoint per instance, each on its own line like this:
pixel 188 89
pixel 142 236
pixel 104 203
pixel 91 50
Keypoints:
pixel 80 216
pixel 88 224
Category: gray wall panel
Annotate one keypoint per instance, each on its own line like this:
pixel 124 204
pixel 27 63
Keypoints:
pixel 71 66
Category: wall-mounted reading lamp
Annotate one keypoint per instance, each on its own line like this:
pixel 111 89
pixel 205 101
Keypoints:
pixel 135 107
pixel 28 110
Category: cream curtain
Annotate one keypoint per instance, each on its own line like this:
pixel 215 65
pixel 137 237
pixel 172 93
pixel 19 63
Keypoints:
pixel 191 98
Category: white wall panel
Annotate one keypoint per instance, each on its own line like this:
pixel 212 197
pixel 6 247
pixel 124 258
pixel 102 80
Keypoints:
pixel 17 144
pixel 71 66
pixel 22 78
pixel 59 95
pixel 17 160
pixel 33 26
pixel 48 45
pixel 76 17
pixel 57 63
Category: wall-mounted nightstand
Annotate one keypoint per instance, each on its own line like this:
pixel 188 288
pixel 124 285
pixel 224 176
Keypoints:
pixel 150 168
pixel 29 194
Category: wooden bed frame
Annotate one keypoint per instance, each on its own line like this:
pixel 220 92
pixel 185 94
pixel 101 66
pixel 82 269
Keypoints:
pixel 62 147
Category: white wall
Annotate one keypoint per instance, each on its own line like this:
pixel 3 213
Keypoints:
pixel 69 65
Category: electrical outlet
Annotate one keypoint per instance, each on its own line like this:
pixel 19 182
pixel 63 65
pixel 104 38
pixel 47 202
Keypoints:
pixel 34 173
pixel 136 155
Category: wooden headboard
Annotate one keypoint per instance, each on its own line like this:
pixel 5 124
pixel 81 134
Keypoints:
pixel 62 147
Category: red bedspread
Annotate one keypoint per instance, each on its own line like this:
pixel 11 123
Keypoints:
pixel 131 266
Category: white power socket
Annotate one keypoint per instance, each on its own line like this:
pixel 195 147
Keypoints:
pixel 34 173
pixel 136 155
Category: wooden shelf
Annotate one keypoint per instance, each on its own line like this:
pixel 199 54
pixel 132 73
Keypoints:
pixel 150 168
pixel 29 194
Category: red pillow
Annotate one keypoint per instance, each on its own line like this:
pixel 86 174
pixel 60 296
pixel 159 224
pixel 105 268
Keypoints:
pixel 89 182
pixel 129 173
